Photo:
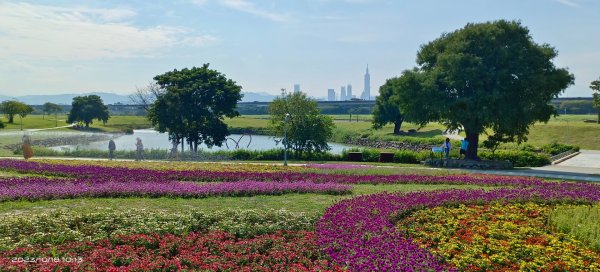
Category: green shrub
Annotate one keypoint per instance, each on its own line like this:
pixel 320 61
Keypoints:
pixel 518 158
pixel 406 156
pixel 555 148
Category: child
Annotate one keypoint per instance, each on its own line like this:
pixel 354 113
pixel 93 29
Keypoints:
pixel 447 146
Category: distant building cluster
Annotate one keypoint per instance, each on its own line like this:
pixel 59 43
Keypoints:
pixel 346 91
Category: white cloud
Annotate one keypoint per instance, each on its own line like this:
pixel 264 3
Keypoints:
pixel 83 33
pixel 570 3
pixel 249 7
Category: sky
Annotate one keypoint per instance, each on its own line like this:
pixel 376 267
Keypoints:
pixel 64 46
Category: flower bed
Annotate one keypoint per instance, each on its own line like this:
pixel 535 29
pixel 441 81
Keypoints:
pixel 498 237
pixel 361 234
pixel 212 251
pixel 338 166
pixel 47 228
pixel 122 173
pixel 36 188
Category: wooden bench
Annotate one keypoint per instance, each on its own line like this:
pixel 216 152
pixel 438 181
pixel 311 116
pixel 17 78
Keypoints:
pixel 355 156
pixel 386 157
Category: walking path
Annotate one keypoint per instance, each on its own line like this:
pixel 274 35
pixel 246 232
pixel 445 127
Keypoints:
pixel 584 167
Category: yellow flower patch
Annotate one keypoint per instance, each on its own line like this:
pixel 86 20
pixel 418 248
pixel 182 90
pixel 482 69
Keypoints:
pixel 499 237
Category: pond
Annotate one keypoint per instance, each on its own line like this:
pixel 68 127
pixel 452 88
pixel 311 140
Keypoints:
pixel 155 140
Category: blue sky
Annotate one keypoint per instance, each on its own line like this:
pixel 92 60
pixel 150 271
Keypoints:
pixel 50 47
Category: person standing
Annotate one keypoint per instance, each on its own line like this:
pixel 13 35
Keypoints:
pixel 27 150
pixel 464 145
pixel 447 146
pixel 111 149
pixel 139 150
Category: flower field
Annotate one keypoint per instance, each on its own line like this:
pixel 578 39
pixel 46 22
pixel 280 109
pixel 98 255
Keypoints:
pixel 479 223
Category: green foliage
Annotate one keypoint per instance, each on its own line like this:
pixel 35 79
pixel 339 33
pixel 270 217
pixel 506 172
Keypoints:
pixel 193 105
pixel 387 108
pixel 51 108
pixel 298 117
pixel 87 108
pixel 518 158
pixel 12 108
pixel 489 76
pixel 581 221
pixel 555 148
pixel 595 86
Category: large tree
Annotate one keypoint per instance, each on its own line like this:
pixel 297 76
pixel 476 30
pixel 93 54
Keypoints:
pixel 50 108
pixel 87 108
pixel 192 104
pixel 595 85
pixel 298 117
pixel 23 110
pixel 491 76
pixel 387 108
pixel 397 101
pixel 12 108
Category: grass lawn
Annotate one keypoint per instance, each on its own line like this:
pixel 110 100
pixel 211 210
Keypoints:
pixel 292 202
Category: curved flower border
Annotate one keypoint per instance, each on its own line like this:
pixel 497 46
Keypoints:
pixel 360 233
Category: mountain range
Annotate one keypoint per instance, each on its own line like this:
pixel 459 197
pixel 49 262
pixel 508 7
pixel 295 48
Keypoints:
pixel 111 98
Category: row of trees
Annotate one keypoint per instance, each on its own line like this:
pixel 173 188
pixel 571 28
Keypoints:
pixel 84 109
pixel 484 77
pixel 191 104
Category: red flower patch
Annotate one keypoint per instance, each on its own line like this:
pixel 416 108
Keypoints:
pixel 212 251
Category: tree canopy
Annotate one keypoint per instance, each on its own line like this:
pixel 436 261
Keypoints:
pixel 87 108
pixel 387 107
pixel 191 105
pixel 299 117
pixel 51 108
pixel 595 86
pixel 12 108
pixel 489 76
pixel 396 102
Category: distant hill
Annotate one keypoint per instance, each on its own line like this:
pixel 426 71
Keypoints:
pixel 112 98
pixel 66 99
pixel 258 97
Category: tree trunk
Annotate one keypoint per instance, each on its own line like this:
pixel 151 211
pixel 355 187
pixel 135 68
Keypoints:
pixel 87 124
pixel 473 139
pixel 398 124
pixel 599 117
pixel 11 118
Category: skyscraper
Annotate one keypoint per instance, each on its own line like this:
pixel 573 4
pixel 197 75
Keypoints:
pixel 330 95
pixel 343 93
pixel 366 95
pixel 296 88
pixel 349 92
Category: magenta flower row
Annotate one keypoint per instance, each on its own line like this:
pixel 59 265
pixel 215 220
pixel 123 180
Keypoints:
pixel 121 173
pixel 340 166
pixel 36 188
pixel 360 233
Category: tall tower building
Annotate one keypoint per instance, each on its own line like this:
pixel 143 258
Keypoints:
pixel 343 93
pixel 330 95
pixel 349 92
pixel 366 95
pixel 296 88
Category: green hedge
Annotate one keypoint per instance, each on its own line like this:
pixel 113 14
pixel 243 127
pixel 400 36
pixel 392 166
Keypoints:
pixel 519 158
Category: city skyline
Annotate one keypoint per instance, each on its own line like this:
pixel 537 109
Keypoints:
pixel 72 46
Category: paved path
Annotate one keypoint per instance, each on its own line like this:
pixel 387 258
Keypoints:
pixel 584 167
